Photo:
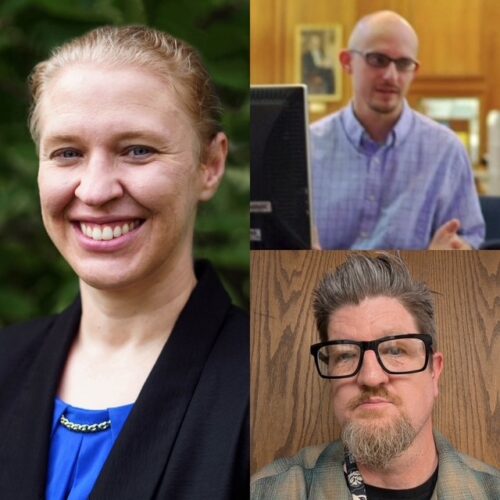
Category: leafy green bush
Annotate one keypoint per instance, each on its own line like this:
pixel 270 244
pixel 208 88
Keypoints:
pixel 34 279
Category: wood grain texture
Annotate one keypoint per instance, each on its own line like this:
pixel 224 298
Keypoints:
pixel 450 36
pixel 291 405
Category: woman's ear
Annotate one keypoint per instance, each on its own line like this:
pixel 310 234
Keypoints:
pixel 213 166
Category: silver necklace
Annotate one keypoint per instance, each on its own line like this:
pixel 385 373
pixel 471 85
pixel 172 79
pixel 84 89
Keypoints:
pixel 84 428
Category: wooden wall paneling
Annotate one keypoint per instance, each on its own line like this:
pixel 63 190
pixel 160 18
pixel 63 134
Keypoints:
pixel 266 33
pixel 291 407
pixel 290 14
pixel 490 49
pixel 402 7
pixel 283 386
pixel 450 36
pixel 468 320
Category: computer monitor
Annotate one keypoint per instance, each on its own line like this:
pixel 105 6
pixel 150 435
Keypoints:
pixel 280 200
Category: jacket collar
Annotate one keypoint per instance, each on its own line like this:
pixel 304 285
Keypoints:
pixel 156 418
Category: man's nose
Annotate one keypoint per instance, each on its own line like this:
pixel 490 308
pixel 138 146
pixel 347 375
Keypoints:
pixel 371 373
pixel 99 181
pixel 391 72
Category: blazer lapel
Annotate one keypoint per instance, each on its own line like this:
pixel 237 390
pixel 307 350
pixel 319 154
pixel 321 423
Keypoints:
pixel 140 456
pixel 29 418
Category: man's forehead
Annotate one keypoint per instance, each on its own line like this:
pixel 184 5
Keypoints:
pixel 390 45
pixel 372 318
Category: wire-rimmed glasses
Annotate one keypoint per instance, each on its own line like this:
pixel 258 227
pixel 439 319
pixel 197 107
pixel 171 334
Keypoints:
pixel 396 354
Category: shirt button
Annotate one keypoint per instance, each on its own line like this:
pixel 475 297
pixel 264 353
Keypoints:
pixel 371 197
pixel 376 161
pixel 364 234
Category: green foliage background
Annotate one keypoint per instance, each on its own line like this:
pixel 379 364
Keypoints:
pixel 34 279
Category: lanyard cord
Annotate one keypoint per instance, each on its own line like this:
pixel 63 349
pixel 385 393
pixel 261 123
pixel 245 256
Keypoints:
pixel 355 482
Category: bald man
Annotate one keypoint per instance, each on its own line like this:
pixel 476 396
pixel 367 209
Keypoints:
pixel 385 176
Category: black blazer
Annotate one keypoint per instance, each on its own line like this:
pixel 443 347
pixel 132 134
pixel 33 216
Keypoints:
pixel 187 437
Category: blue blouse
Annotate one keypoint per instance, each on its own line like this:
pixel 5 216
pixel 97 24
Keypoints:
pixel 76 458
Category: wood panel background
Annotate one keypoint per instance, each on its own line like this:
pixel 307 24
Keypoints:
pixel 459 45
pixel 291 405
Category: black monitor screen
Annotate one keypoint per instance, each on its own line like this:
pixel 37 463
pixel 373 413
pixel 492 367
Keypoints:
pixel 279 187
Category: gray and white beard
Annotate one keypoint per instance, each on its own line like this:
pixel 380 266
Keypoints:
pixel 375 445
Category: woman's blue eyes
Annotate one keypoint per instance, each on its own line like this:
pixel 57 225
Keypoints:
pixel 138 151
pixel 68 154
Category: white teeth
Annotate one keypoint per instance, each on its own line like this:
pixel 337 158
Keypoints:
pixel 96 234
pixel 107 233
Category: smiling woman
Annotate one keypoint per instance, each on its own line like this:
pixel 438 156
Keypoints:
pixel 119 153
pixel 126 385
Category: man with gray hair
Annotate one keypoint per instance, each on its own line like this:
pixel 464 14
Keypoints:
pixel 385 176
pixel 378 348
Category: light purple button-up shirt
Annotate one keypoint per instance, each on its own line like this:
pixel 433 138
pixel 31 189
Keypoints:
pixel 393 195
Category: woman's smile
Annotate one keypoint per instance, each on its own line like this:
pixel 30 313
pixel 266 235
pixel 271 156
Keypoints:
pixel 108 231
pixel 108 237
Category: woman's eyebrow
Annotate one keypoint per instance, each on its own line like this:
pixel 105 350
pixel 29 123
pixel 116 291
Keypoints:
pixel 142 134
pixel 57 138
pixel 121 136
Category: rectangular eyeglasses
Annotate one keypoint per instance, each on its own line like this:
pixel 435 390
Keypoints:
pixel 396 354
pixel 379 60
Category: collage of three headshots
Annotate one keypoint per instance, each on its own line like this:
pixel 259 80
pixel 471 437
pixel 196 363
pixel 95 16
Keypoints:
pixel 250 250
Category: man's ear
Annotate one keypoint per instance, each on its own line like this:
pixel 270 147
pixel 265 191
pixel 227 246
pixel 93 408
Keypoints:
pixel 437 368
pixel 415 73
pixel 345 58
pixel 213 166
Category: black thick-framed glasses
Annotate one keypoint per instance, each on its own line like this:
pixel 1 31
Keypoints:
pixel 379 60
pixel 396 354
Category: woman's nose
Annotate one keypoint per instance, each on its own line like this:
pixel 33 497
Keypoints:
pixel 99 181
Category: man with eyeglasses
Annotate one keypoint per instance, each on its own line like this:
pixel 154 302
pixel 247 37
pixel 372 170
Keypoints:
pixel 385 176
pixel 378 349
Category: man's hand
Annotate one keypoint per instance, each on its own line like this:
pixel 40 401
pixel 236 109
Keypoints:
pixel 446 237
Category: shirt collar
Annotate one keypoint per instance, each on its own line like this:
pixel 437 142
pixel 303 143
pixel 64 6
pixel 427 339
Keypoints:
pixel 360 138
pixel 403 125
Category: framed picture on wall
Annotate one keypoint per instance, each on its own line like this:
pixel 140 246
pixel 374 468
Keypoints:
pixel 316 60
